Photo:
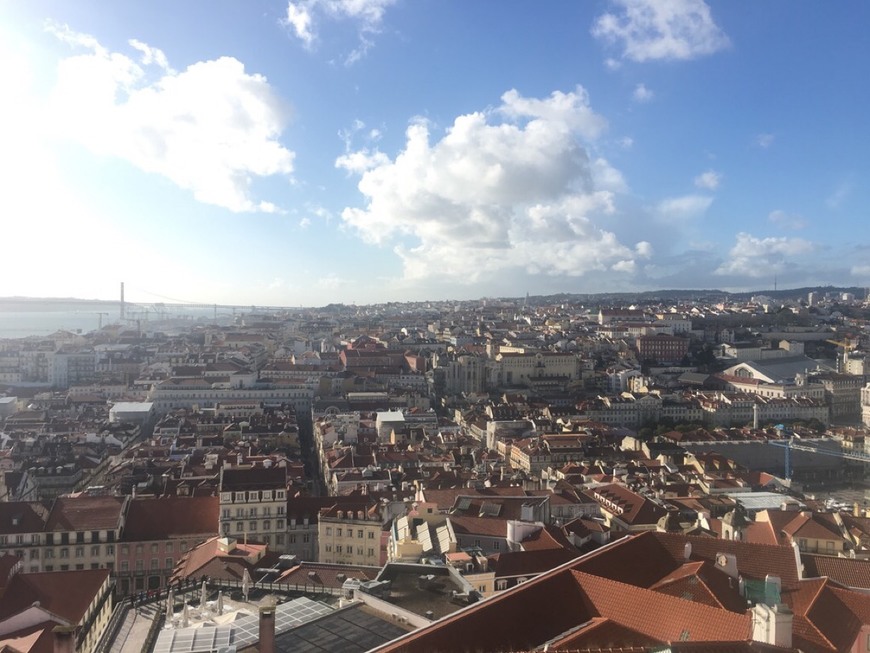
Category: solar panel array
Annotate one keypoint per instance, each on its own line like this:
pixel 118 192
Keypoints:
pixel 350 630
pixel 242 632
pixel 205 639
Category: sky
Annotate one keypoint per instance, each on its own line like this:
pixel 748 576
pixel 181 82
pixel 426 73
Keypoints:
pixel 362 151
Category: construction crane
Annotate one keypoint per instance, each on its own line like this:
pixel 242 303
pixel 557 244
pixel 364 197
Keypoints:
pixel 848 344
pixel 789 445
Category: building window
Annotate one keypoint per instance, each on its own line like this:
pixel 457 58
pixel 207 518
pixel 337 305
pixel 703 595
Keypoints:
pixel 168 547
pixel 139 548
pixel 95 550
pixel 110 549
pixel 168 562
pixel 279 524
pixel 140 565
pixel 338 532
pixel 239 527
pixel 125 565
pixel 252 526
pixel 329 548
pixel 305 538
pixel 125 549
pixel 155 564
pixel 329 530
pixel 359 534
pixel 371 552
pixel 267 525
pixel 95 536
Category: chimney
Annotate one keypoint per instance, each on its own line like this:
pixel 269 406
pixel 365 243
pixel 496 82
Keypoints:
pixel 64 639
pixel 772 624
pixel 267 629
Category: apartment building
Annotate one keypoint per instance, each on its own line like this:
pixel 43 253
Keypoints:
pixel 352 535
pixel 72 533
pixel 158 532
pixel 253 504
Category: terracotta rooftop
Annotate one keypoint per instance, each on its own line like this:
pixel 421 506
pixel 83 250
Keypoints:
pixel 85 513
pixel 66 594
pixel 167 517
pixel 850 572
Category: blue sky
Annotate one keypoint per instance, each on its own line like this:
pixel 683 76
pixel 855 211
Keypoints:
pixel 317 151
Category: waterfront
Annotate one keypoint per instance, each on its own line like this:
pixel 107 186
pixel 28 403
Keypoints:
pixel 20 319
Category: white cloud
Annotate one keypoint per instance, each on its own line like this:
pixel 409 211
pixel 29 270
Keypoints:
pixel 626 142
pixel 764 141
pixel 681 209
pixel 362 160
pixel 209 129
pixel 761 257
pixel 787 220
pixel 300 19
pixel 304 223
pixel 841 192
pixel 496 195
pixel 651 30
pixel 861 271
pixel 303 17
pixel 151 55
pixel 708 180
pixel 642 93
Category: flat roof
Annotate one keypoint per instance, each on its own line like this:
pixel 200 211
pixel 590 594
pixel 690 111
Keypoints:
pixel 133 407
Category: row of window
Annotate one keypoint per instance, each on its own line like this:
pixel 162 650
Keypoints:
pixel 80 537
pixel 359 550
pixel 78 552
pixel 254 495
pixel 241 513
pixel 339 531
pixel 168 563
pixel 253 526
pixel 78 567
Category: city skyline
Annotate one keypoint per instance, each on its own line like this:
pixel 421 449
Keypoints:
pixel 362 151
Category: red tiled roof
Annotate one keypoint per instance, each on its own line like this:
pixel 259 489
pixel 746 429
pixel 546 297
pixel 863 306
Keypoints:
pixel 22 517
pixel 161 519
pixel 66 594
pixel 851 572
pixel 528 563
pixel 661 616
pixel 86 513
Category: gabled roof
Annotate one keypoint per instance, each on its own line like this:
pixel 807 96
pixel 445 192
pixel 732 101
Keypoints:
pixel 66 594
pixel 851 572
pixel 85 513
pixel 167 517
pixel 662 616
